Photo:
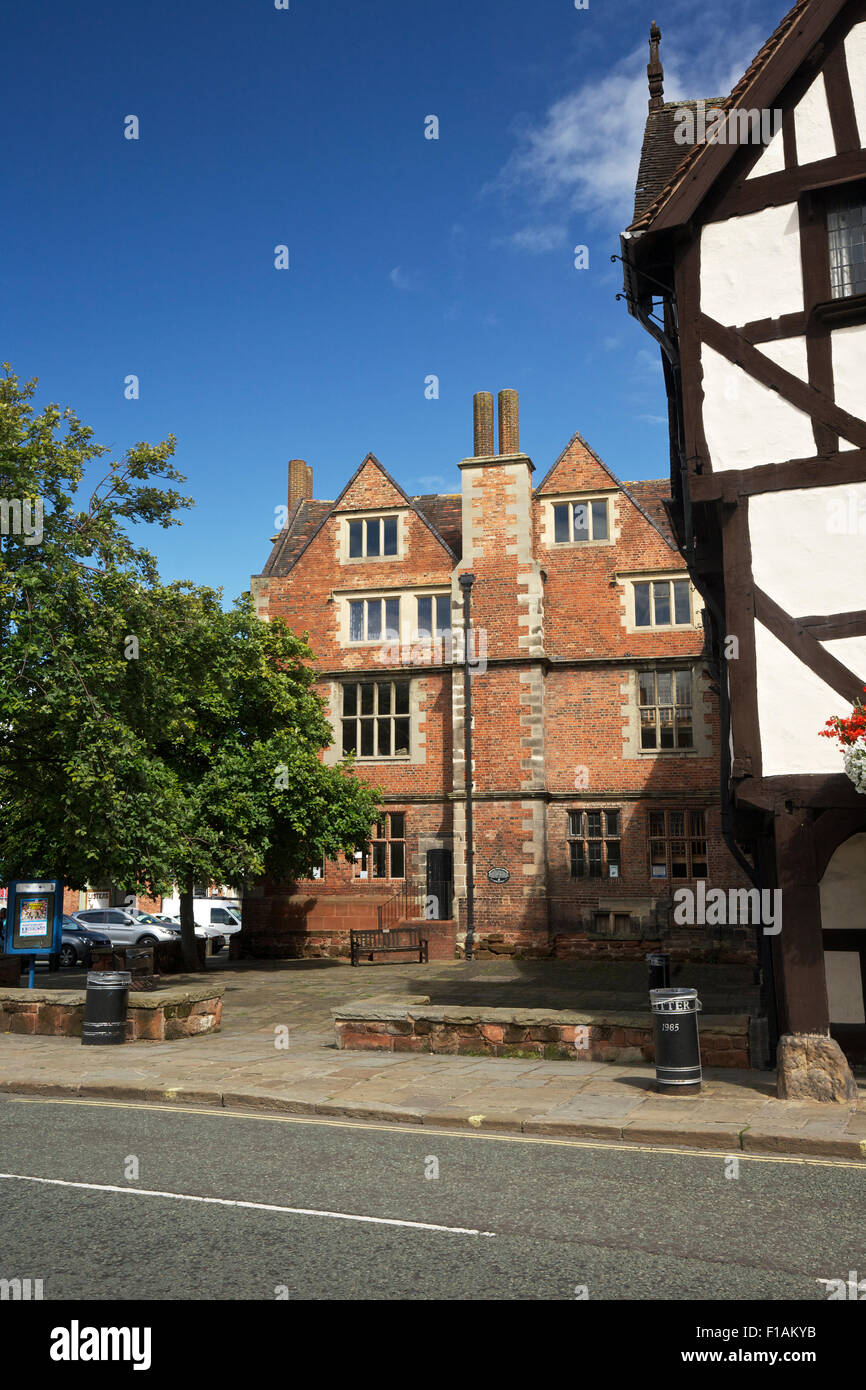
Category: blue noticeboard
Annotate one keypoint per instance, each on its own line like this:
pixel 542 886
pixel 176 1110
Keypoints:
pixel 34 918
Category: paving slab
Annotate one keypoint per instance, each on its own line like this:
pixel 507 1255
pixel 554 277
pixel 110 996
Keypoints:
pixel 240 1068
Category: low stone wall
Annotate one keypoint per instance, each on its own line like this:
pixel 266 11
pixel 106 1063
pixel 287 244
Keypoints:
pixel 324 933
pixel 555 1034
pixel 152 1017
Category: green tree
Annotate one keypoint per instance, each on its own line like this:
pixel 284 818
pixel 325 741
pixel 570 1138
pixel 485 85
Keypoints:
pixel 146 736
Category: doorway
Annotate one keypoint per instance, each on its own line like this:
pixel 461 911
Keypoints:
pixel 440 884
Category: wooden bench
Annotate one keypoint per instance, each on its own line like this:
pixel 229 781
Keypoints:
pixel 367 943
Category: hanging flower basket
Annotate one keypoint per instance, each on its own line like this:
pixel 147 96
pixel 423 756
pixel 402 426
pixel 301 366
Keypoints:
pixel 851 733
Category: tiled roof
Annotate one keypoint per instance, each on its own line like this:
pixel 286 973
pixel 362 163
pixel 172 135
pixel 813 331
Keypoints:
pixel 444 511
pixel 658 161
pixel 650 495
pixel 661 156
pixel 305 518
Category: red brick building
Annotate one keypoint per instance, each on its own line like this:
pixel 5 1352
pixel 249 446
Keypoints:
pixel 595 731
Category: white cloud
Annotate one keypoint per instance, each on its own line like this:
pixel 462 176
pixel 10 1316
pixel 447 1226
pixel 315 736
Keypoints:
pixel 400 279
pixel 653 419
pixel 647 360
pixel 582 154
pixel 538 239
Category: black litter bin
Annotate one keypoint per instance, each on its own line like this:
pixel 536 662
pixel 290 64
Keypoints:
pixel 659 963
pixel 677 1045
pixel 105 1007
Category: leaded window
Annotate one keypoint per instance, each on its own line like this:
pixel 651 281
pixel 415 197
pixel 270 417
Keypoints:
pixel 677 844
pixel 375 719
pixel 594 844
pixel 665 700
pixel 846 239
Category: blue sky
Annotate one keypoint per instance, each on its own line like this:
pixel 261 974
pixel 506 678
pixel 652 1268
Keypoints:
pixel 408 257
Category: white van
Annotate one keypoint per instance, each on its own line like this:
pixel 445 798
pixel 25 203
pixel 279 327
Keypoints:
pixel 223 914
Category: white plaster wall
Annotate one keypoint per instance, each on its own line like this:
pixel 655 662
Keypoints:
pixel 812 124
pixel 855 55
pixel 851 651
pixel 808 552
pixel 793 706
pixel 844 986
pixel 843 887
pixel 747 424
pixel 772 160
pixel 750 266
pixel 849 368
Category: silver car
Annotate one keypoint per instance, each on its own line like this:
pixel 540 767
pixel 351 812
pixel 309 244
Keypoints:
pixel 125 928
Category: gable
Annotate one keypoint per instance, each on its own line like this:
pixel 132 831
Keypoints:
pixel 784 55
pixel 370 487
pixel 578 469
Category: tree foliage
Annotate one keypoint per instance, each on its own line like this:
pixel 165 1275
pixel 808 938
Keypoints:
pixel 147 736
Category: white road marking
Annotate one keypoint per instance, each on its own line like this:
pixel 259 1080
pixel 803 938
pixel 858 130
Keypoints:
pixel 251 1206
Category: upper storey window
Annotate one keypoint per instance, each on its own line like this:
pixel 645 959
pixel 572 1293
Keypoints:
pixel 663 603
pixel 585 520
pixel 371 537
pixel 846 243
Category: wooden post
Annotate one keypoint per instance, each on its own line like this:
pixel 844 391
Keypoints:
pixel 799 951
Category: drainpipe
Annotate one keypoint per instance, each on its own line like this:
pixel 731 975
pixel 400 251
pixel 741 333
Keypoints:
pixel 466 581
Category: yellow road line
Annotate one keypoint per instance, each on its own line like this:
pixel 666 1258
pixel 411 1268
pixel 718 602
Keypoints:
pixel 397 1127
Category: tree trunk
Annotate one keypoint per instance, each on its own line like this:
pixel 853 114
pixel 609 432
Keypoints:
pixel 187 927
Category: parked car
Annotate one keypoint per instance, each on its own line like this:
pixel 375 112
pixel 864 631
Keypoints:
pixel 221 913
pixel 125 928
pixel 78 942
pixel 206 933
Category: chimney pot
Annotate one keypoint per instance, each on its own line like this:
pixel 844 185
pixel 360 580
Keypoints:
pixel 482 413
pixel 509 429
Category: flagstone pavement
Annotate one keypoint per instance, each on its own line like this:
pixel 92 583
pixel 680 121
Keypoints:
pixel 247 1066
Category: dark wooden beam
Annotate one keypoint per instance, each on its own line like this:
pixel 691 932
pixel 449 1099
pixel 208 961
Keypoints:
pixel 733 346
pixel 843 117
pixel 829 627
pixel 814 261
pixel 848 466
pixel 788 185
pixel 762 92
pixel 687 280
pixel 832 829
pixel 769 330
pixel 740 623
pixel 818 790
pixel 799 949
pixel 805 647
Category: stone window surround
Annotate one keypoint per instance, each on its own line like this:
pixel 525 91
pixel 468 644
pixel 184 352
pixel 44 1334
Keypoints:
pixel 408 628
pixel 371 514
pixel 627 579
pixel 552 499
pixel 702 746
pixel 417 755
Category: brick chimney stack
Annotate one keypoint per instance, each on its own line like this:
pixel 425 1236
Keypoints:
pixel 482 417
pixel 300 481
pixel 509 429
